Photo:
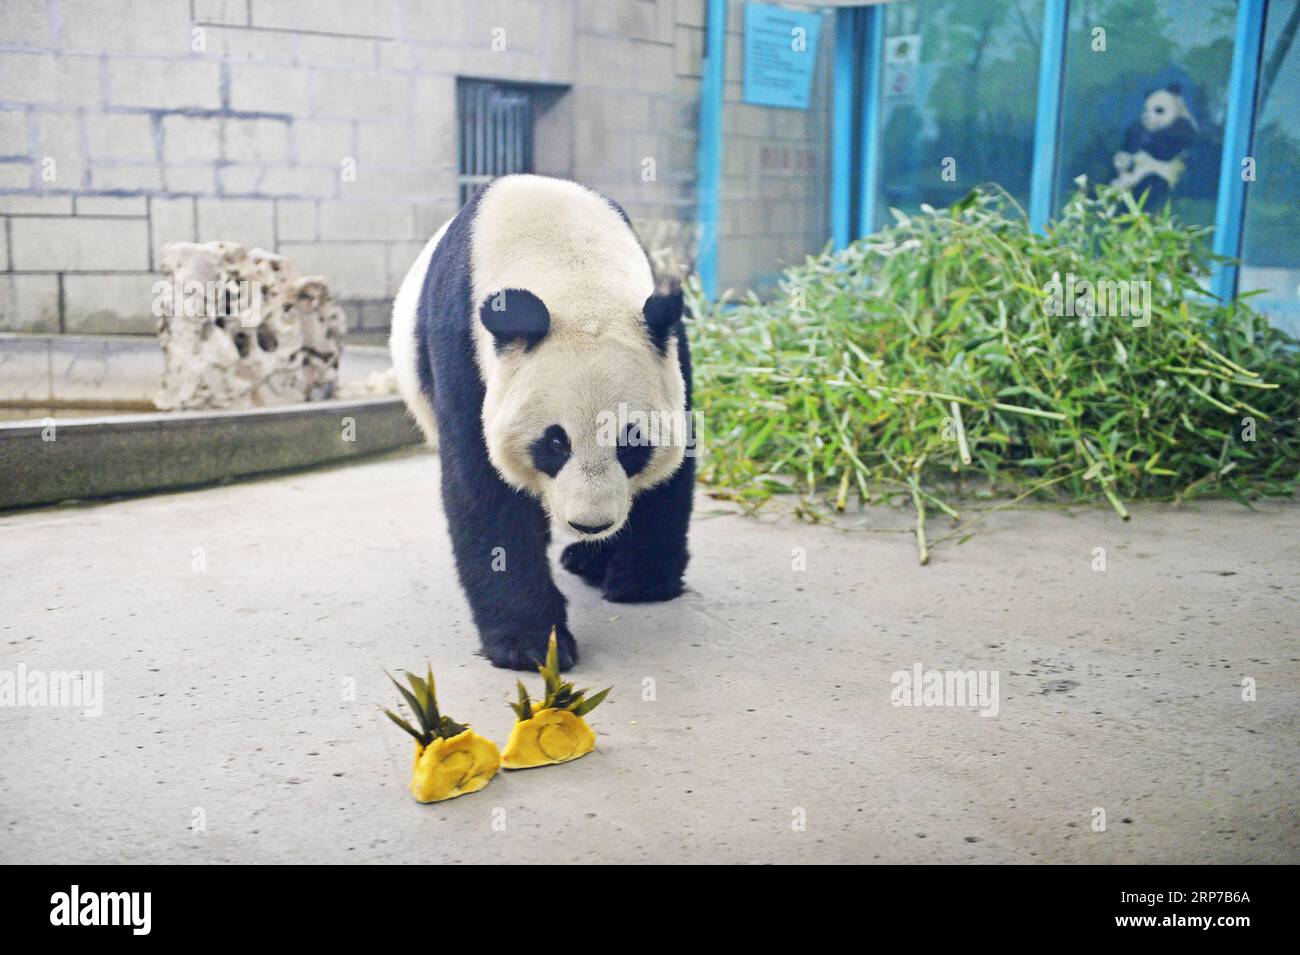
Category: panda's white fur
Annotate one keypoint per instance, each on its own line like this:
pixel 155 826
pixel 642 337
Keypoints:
pixel 403 344
pixel 1162 108
pixel 572 249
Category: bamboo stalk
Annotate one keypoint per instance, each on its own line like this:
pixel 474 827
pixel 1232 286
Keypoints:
pixel 962 448
pixel 1227 361
pixel 1115 502
pixel 1005 505
pixel 1219 374
pixel 1211 399
pixel 1102 480
pixel 947 509
pixel 943 396
pixel 922 551
pixel 1054 415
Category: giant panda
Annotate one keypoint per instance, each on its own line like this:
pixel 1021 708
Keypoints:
pixel 530 339
pixel 1153 157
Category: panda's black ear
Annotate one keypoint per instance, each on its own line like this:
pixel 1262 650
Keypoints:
pixel 515 315
pixel 1176 88
pixel 662 311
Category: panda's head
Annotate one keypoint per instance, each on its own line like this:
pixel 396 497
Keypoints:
pixel 584 419
pixel 1163 108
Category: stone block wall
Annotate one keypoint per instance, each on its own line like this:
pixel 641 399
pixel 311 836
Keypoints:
pixel 326 132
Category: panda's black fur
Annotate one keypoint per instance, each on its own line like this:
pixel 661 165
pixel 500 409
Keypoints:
pixel 515 609
pixel 1166 143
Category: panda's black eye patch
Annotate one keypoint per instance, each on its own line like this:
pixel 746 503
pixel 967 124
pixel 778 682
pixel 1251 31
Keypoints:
pixel 551 450
pixel 634 450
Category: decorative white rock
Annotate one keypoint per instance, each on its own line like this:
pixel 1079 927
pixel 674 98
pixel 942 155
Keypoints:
pixel 240 329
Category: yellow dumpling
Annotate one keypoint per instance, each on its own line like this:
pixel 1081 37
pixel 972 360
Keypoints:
pixel 450 758
pixel 554 731
pixel 447 768
pixel 550 736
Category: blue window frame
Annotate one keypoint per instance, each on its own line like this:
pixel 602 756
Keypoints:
pixel 1270 243
pixel 860 156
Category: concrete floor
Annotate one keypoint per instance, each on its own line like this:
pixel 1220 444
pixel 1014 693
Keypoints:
pixel 224 688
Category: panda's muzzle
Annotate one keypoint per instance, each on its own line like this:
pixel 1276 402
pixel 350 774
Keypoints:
pixel 592 529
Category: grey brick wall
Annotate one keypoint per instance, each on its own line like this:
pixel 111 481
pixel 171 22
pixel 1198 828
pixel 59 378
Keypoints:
pixel 325 131
pixel 776 170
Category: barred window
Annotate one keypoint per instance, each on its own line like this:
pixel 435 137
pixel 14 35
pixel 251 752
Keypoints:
pixel 495 124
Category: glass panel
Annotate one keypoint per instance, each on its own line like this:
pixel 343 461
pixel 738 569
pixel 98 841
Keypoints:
pixel 959 84
pixel 1145 99
pixel 1271 241
pixel 775 192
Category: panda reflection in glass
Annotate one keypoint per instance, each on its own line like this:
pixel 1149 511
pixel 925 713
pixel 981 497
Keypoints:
pixel 1156 146
pixel 530 340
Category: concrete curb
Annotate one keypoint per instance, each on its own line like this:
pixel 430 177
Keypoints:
pixel 44 462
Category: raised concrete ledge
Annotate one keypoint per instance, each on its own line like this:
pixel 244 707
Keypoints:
pixel 45 462
pixel 122 371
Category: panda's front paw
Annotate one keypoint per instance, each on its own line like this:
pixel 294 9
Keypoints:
pixel 589 561
pixel 637 589
pixel 513 651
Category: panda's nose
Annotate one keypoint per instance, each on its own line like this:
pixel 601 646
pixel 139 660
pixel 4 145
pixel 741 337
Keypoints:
pixel 590 528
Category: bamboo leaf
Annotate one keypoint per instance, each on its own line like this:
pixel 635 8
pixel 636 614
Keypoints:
pixel 585 707
pixel 552 654
pixel 414 704
pixel 421 739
